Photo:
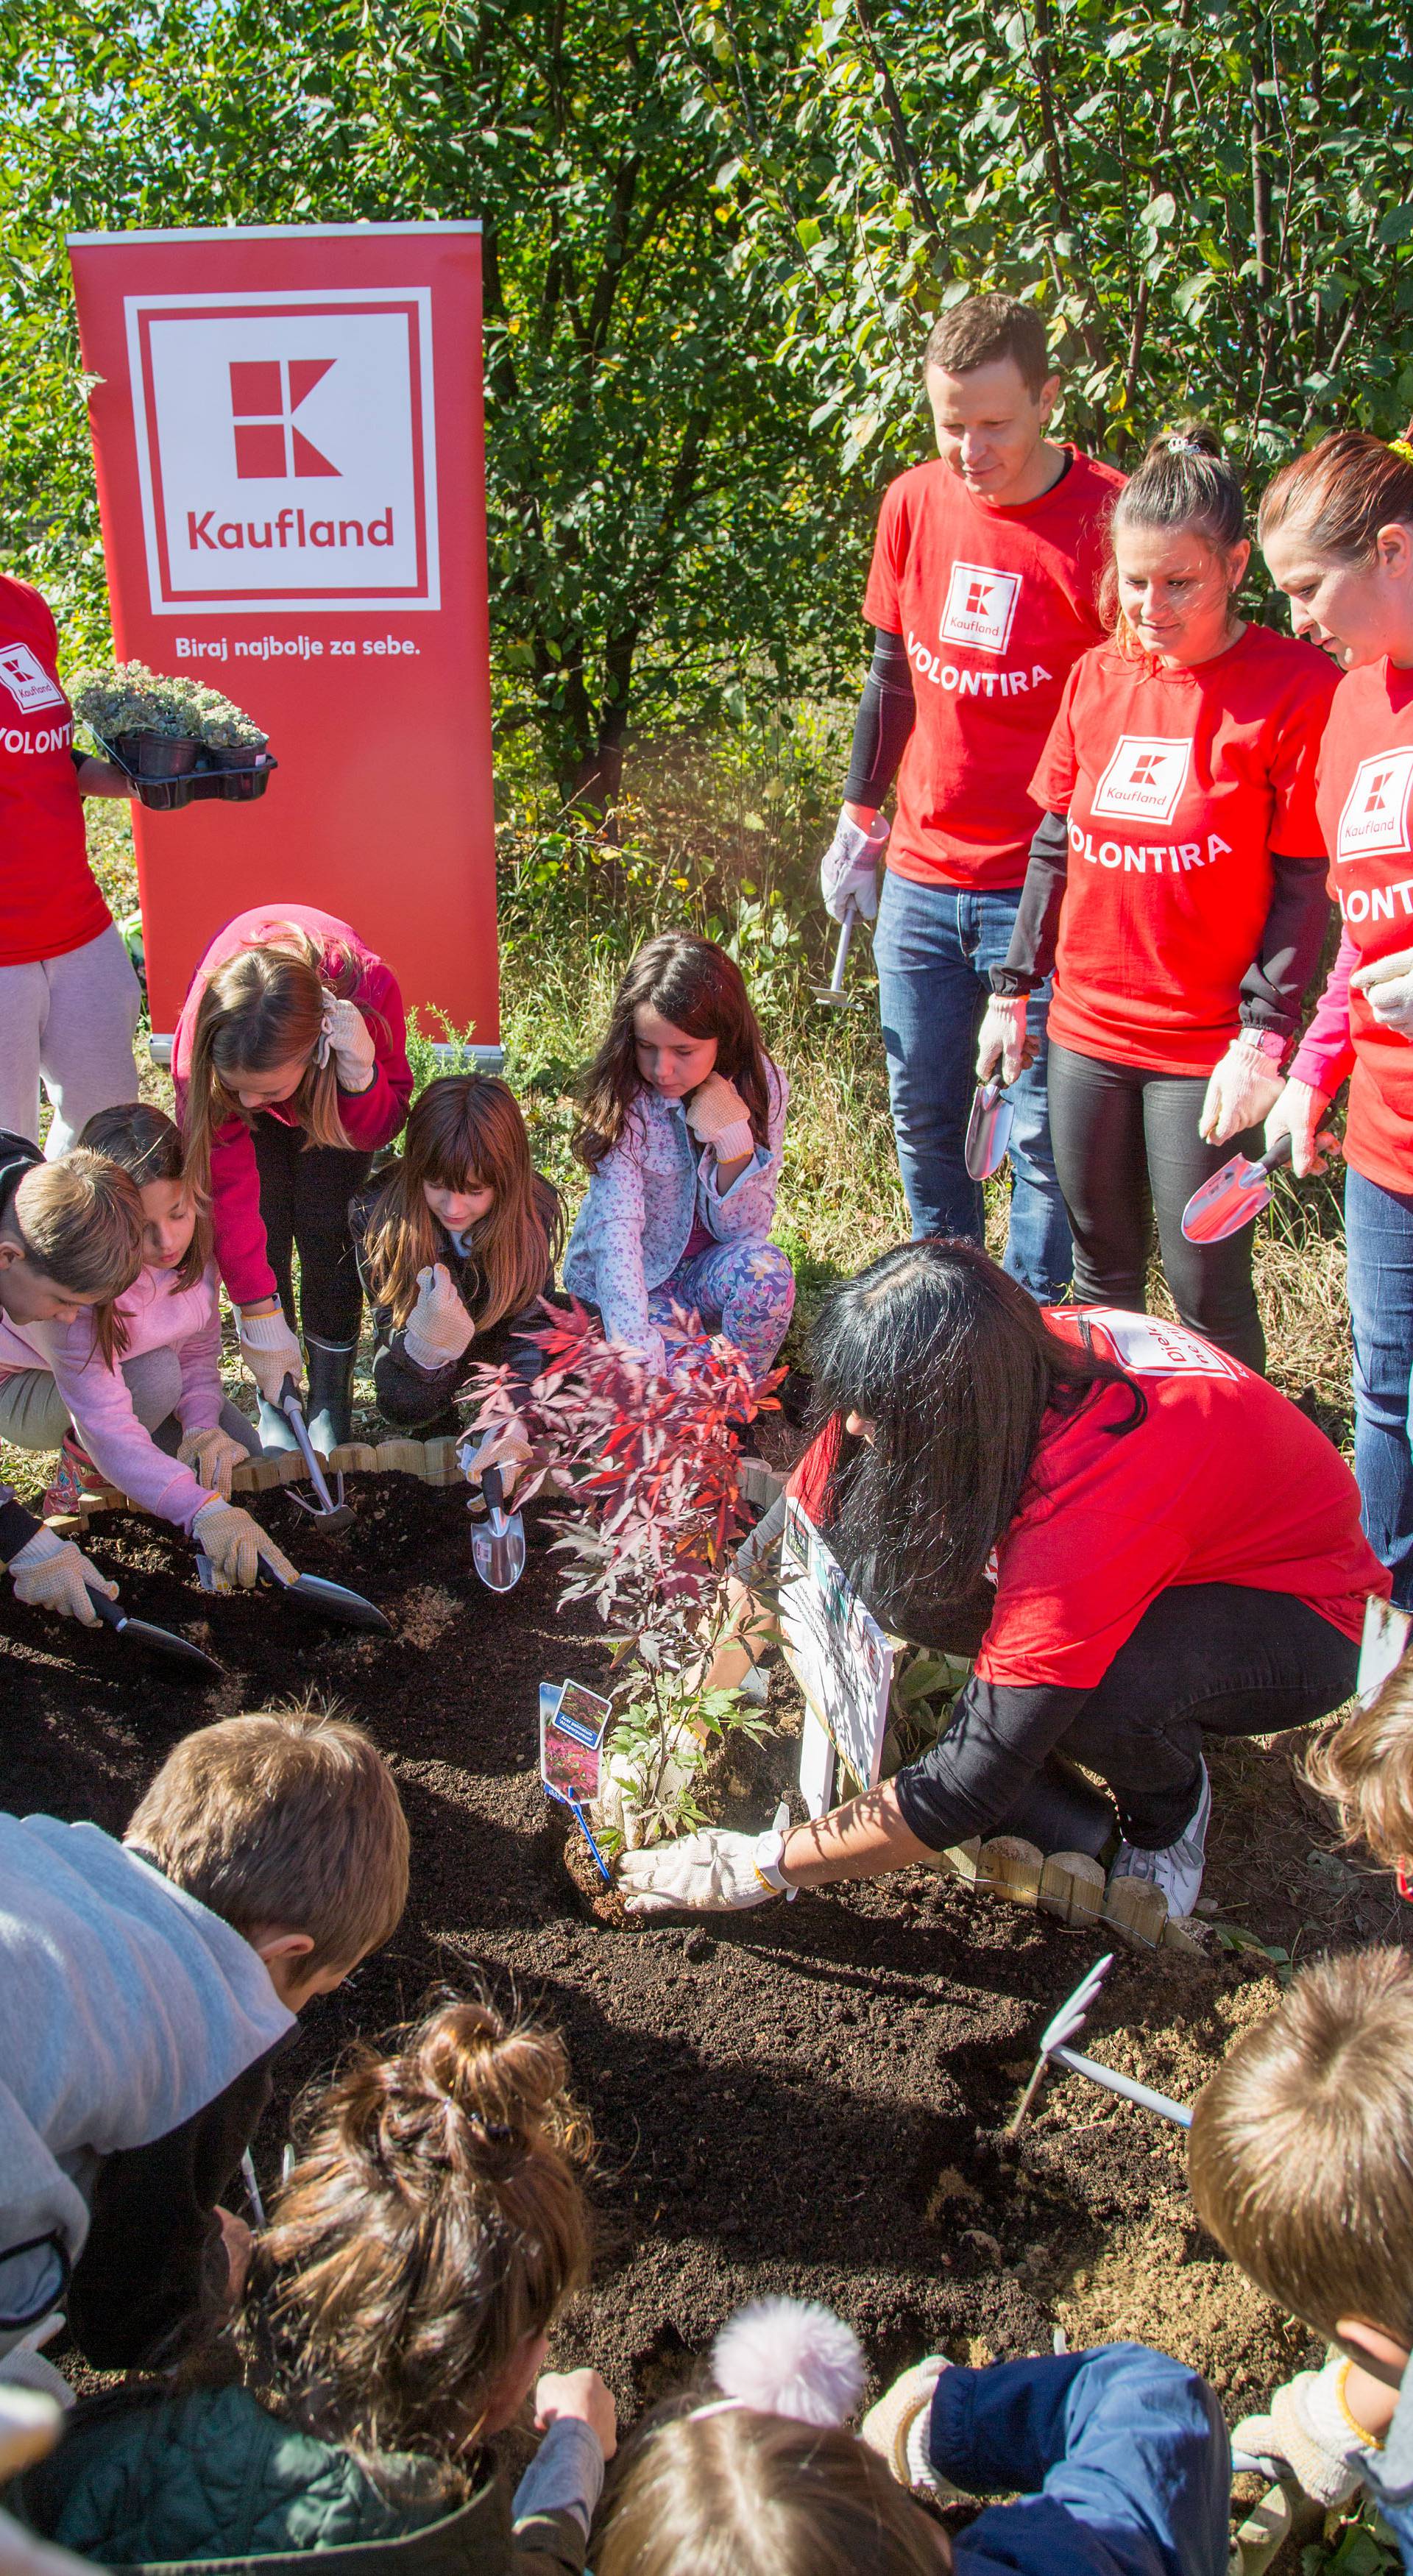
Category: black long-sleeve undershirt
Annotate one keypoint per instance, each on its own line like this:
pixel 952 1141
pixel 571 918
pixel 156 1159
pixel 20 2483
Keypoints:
pixel 1273 985
pixel 887 712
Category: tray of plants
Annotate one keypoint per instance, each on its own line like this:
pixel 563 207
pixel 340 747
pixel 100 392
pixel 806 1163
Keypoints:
pixel 178 741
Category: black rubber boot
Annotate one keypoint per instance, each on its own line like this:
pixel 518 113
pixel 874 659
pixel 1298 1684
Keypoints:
pixel 329 1407
pixel 273 1427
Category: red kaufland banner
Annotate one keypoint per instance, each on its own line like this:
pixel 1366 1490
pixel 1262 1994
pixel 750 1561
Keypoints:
pixel 288 432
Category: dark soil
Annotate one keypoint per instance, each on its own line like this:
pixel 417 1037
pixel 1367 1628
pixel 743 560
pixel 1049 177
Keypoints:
pixel 807 2098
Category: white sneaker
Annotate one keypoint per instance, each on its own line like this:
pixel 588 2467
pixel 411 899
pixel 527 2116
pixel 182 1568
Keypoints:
pixel 1178 1869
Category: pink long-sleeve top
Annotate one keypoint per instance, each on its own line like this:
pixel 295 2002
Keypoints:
pixel 370 1118
pixel 154 1314
pixel 1325 1055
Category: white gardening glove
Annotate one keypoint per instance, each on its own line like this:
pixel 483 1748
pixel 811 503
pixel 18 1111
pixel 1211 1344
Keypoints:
pixel 848 871
pixel 1309 2425
pixel 1387 987
pixel 897 2428
pixel 346 1036
pixel 50 1573
pixel 1297 1114
pixel 712 1872
pixel 214 1456
pixel 503 1446
pixel 1243 1087
pixel 717 1113
pixel 439 1327
pixel 235 1543
pixel 1003 1039
pixel 270 1352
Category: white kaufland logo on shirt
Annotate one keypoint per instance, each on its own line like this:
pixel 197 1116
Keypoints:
pixel 26 679
pixel 981 607
pixel 285 449
pixel 1144 779
pixel 1375 816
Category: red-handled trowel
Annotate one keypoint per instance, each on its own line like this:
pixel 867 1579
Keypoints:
pixel 1233 1197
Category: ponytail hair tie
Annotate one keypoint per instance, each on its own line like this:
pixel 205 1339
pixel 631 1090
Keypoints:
pixel 1179 444
pixel 1401 447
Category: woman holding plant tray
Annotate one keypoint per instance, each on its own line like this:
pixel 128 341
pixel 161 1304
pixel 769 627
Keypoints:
pixel 1136 1537
pixel 290 1065
pixel 69 999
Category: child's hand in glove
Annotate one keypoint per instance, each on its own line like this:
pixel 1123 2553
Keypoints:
pixel 50 1573
pixel 270 1352
pixel 235 1543
pixel 848 871
pixel 1003 1039
pixel 1309 2425
pixel 719 1116
pixel 439 1327
pixel 214 1458
pixel 346 1037
pixel 897 2428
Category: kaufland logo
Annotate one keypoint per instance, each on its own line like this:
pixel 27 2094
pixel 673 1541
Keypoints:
pixel 1375 817
pixel 981 607
pixel 285 449
pixel 1144 779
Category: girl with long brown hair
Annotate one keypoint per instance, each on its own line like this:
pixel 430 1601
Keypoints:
pixel 395 2319
pixel 290 1065
pixel 456 1245
pixel 681 1126
pixel 147 1413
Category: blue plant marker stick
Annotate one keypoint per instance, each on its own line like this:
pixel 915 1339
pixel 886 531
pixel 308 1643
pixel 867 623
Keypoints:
pixel 582 1822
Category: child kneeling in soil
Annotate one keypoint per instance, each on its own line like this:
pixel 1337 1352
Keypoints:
pixel 134 1398
pixel 395 2319
pixel 456 1245
pixel 681 1128
pixel 1120 2457
pixel 1300 2161
pixel 145 1989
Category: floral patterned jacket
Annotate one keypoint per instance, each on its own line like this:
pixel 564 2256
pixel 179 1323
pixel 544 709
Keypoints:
pixel 643 1200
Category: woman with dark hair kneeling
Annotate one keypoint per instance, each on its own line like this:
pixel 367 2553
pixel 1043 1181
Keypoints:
pixel 1173 1547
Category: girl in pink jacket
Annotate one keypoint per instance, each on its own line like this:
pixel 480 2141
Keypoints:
pixel 291 1069
pixel 145 1410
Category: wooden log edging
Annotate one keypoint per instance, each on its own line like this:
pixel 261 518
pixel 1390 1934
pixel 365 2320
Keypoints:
pixel 432 1462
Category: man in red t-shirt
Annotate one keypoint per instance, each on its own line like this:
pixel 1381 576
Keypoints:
pixel 984 592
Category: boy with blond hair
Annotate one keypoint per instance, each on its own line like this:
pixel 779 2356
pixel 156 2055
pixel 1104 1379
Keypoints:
pixel 1301 2165
pixel 146 1987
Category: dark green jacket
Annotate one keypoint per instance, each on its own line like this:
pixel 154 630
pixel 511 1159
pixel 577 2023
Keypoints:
pixel 214 2479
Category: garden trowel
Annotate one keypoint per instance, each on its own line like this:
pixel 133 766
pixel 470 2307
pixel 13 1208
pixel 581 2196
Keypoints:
pixel 498 1542
pixel 155 1641
pixel 832 994
pixel 315 1591
pixel 1234 1196
pixel 988 1130
pixel 331 1515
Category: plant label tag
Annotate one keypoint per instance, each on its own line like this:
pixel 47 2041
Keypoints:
pixel 1381 1646
pixel 836 1649
pixel 572 1723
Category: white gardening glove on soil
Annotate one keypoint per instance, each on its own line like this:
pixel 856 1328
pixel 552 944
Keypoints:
pixel 235 1543
pixel 50 1573
pixel 1245 1085
pixel 439 1327
pixel 1297 1114
pixel 712 1872
pixel 270 1352
pixel 717 1113
pixel 1387 987
pixel 346 1036
pixel 848 871
pixel 214 1457
pixel 897 2428
pixel 1003 1039
pixel 1309 2425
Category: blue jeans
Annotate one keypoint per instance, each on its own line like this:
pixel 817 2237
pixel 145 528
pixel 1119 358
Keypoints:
pixel 1120 2458
pixel 934 946
pixel 1378 1225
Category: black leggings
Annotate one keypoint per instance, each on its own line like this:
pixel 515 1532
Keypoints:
pixel 1126 1151
pixel 304 1195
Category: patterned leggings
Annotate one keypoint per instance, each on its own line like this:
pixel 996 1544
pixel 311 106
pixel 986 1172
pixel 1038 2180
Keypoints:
pixel 744 1290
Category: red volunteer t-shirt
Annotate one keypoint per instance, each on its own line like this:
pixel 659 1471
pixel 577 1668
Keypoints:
pixel 1226 1481
pixel 995 606
pixel 1366 810
pixel 48 900
pixel 1178 786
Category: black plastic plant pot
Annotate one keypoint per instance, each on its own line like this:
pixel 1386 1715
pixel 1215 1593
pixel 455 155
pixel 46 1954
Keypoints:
pixel 239 786
pixel 237 755
pixel 157 755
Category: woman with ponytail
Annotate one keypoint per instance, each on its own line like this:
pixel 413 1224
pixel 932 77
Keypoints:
pixel 1336 529
pixel 1176 886
pixel 290 1065
pixel 394 2320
